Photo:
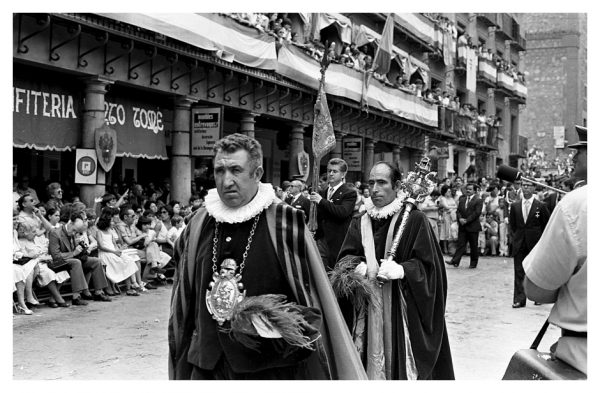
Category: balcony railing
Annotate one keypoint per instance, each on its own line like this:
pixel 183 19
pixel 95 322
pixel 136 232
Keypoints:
pixel 487 71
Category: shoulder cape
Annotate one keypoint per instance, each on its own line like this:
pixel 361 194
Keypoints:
pixel 335 357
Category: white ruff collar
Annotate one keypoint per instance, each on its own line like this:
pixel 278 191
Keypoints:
pixel 223 213
pixel 384 212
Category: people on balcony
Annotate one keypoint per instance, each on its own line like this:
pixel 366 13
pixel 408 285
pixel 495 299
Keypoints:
pixel 482 127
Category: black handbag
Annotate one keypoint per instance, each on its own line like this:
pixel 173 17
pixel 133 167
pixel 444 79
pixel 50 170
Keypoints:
pixel 22 261
pixel 531 364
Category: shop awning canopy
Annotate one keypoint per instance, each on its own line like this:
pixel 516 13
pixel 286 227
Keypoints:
pixel 223 36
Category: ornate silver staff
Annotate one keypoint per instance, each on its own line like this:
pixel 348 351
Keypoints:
pixel 417 186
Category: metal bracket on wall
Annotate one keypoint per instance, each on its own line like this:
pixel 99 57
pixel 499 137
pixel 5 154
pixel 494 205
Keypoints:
pixel 193 89
pixel 211 88
pixel 242 100
pixel 311 105
pixel 191 67
pixel 271 108
pixel 346 115
pixel 152 52
pixel 243 82
pixel 258 106
pixel 172 58
pixel 102 38
pixel 127 45
pixel 42 20
pixel 73 30
pixel 293 100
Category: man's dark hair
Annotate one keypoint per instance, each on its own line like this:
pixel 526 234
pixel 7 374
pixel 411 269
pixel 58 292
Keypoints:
pixel 475 187
pixel 338 161
pixel 194 197
pixel 75 214
pixel 234 142
pixel 123 211
pixel 394 171
pixel 22 200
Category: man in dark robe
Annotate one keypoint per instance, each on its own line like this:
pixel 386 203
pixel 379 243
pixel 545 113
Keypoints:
pixel 246 238
pixel 402 334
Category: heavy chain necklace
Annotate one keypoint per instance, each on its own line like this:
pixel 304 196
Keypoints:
pixel 225 290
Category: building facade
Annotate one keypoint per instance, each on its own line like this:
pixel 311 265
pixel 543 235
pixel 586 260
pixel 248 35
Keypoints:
pixel 556 62
pixel 168 85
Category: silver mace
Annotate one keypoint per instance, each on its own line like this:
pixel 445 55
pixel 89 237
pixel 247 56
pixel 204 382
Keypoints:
pixel 418 185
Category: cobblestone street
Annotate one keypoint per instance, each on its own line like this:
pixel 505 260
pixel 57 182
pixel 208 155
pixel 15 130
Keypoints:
pixel 127 339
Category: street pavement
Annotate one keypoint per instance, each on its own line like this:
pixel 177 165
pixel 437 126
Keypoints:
pixel 127 338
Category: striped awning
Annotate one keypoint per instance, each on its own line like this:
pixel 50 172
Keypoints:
pixel 223 36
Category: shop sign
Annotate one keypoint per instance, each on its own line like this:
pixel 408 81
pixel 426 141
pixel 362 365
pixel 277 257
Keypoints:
pixel 45 116
pixel 86 166
pixel 207 124
pixel 352 153
pixel 139 126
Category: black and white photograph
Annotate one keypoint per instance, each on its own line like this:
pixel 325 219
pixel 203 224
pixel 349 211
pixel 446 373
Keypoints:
pixel 281 196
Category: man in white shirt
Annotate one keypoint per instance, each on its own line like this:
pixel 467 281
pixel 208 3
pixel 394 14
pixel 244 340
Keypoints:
pixel 556 268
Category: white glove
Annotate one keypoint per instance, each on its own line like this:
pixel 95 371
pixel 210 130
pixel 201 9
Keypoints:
pixel 391 270
pixel 361 269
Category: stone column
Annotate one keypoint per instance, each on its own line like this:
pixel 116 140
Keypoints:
pixel 472 28
pixel 368 158
pixel 507 51
pixel 247 123
pixel 296 147
pixel 93 118
pixel 396 156
pixel 450 160
pixel 491 41
pixel 337 150
pixel 521 64
pixel 507 129
pixel 181 162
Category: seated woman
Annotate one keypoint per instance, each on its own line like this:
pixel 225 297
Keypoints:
pixel 154 256
pixel 36 248
pixel 19 276
pixel 120 267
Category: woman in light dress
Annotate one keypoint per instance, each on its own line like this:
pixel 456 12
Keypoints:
pixel 448 205
pixel 120 264
pixel 36 248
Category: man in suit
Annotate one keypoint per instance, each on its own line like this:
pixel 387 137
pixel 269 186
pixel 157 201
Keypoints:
pixel 68 255
pixel 527 219
pixel 468 212
pixel 297 200
pixel 335 206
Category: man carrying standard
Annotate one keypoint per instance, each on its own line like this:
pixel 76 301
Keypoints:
pixel 401 331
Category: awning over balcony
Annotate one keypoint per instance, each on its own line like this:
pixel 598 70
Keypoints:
pixel 226 38
pixel 347 82
pixel 363 34
pixel 342 23
pixel 416 24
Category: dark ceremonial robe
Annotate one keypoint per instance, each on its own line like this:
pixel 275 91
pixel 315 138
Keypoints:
pixel 285 260
pixel 424 288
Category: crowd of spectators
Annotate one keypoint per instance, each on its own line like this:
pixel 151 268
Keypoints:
pixel 123 244
pixel 441 205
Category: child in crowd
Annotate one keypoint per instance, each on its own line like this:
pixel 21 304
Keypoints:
pixel 155 258
pixel 176 229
